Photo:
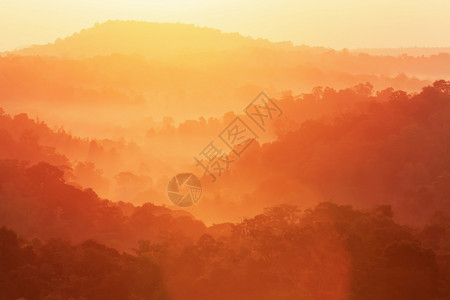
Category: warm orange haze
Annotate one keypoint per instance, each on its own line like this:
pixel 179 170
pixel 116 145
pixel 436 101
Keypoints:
pixel 164 160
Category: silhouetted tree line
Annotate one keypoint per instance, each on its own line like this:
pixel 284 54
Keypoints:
pixel 57 270
pixel 36 202
pixel 392 147
pixel 329 252
pixel 393 150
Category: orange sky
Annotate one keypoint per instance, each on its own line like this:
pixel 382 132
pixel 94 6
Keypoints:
pixel 338 24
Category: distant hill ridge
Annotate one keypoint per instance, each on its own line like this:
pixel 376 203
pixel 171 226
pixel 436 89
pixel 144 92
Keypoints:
pixel 148 39
pixel 411 51
pixel 165 40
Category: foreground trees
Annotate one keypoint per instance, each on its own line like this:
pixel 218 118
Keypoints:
pixel 329 252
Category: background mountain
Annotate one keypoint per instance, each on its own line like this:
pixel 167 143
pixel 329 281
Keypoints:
pixel 128 72
pixel 412 51
pixel 178 44
pixel 154 40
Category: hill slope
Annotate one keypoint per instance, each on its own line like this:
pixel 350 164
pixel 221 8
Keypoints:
pixel 154 40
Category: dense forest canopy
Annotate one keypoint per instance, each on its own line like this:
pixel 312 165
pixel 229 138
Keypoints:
pixel 343 195
pixel 60 241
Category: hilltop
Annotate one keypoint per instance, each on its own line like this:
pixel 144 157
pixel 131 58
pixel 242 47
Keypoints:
pixel 152 40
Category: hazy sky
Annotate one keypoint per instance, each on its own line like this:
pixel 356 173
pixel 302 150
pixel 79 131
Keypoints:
pixel 338 24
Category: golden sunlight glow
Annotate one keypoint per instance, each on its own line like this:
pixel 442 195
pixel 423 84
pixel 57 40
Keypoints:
pixel 330 23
